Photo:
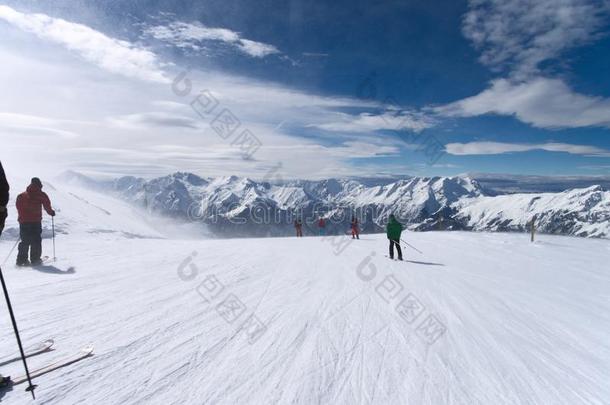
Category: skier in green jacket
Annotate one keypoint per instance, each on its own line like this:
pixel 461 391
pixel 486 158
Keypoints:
pixel 393 230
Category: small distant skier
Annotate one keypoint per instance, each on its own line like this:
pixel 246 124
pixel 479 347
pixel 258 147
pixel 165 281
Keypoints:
pixel 29 208
pixel 322 226
pixel 393 230
pixel 4 195
pixel 298 226
pixel 355 231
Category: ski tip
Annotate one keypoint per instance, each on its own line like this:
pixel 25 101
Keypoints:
pixel 46 345
pixel 87 350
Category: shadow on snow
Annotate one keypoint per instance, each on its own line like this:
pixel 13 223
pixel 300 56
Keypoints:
pixel 53 270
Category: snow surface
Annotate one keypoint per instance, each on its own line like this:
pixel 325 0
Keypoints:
pixel 525 323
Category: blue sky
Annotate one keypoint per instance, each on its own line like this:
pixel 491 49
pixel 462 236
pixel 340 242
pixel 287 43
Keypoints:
pixel 342 88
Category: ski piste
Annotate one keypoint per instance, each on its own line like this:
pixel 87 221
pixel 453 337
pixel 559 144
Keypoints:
pixel 82 354
pixel 32 351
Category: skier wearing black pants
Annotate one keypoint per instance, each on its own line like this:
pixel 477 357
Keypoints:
pixel 29 207
pixel 393 231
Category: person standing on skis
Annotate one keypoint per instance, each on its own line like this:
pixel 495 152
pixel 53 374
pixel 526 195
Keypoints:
pixel 322 226
pixel 355 231
pixel 29 208
pixel 4 195
pixel 298 225
pixel 393 230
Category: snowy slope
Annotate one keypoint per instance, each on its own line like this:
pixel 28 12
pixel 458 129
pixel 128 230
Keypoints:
pixel 83 211
pixel 525 323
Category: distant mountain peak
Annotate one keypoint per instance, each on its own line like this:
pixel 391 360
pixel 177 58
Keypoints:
pixel 228 205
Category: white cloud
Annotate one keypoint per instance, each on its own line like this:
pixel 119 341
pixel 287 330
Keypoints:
pixel 192 35
pixel 256 49
pixel 366 122
pixel 186 35
pixel 298 159
pixel 32 125
pixel 496 148
pixel 111 54
pixel 519 35
pixel 544 103
pixel 154 119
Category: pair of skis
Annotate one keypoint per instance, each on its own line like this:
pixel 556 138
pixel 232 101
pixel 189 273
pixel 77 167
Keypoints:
pixel 32 351
pixel 43 262
pixel 45 347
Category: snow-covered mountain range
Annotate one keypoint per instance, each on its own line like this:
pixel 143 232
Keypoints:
pixel 237 206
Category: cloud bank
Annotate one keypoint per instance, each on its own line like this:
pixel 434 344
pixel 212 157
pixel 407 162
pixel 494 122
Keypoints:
pixel 194 35
pixel 541 102
pixel 497 148
pixel 108 53
pixel 389 120
pixel 518 38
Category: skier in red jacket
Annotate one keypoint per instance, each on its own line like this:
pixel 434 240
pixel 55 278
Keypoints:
pixel 355 230
pixel 29 208
pixel 322 226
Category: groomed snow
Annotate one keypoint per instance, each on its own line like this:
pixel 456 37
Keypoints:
pixel 525 323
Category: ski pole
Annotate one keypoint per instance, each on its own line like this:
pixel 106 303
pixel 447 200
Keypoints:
pixel 411 246
pixel 53 228
pixel 31 387
pixel 11 252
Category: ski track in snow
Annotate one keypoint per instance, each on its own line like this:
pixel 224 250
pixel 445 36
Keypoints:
pixel 526 323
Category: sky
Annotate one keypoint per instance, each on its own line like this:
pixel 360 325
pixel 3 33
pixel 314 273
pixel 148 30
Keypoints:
pixel 297 89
